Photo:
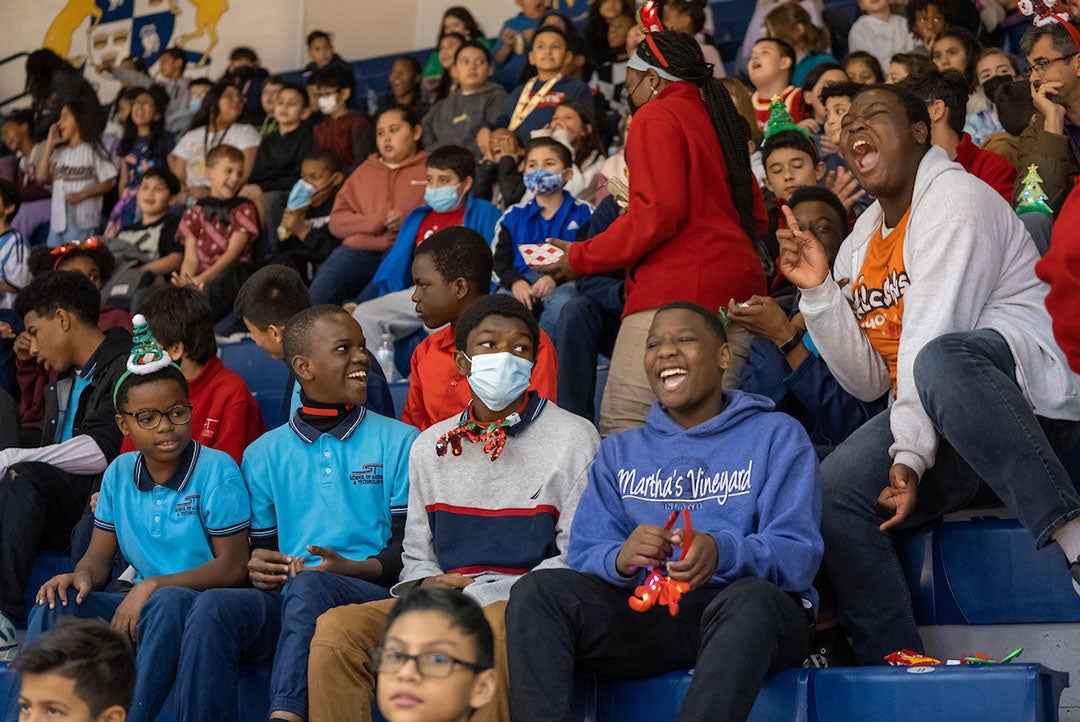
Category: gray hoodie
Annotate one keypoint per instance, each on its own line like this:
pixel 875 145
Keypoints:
pixel 971 265
pixel 456 119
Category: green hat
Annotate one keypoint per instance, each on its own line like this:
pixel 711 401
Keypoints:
pixel 780 119
pixel 146 357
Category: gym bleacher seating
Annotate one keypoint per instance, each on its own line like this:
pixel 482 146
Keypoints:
pixel 985 571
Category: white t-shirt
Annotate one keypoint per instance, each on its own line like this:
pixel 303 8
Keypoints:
pixel 881 38
pixel 73 170
pixel 195 144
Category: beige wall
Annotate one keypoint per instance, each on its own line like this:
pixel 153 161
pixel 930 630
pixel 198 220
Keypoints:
pixel 275 28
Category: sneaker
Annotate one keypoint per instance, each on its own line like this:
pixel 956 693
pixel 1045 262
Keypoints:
pixel 9 646
pixel 830 649
pixel 1074 570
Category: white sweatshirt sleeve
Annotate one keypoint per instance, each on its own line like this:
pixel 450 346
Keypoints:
pixel 836 333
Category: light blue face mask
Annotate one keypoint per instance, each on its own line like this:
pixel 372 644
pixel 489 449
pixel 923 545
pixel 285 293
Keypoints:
pixel 498 379
pixel 442 199
pixel 194 104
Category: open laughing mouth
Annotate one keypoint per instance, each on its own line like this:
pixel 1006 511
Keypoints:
pixel 358 375
pixel 673 378
pixel 865 153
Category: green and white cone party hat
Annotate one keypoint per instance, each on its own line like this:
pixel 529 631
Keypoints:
pixel 147 356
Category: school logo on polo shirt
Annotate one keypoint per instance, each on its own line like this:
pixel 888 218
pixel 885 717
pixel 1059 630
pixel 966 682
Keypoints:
pixel 189 506
pixel 368 474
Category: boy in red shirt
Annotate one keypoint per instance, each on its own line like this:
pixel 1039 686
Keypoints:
pixel 452 269
pixel 225 416
pixel 219 233
pixel 946 95
pixel 345 132
pixel 772 62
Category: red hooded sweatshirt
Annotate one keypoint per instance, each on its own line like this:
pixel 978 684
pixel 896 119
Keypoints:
pixel 1060 267
pixel 681 237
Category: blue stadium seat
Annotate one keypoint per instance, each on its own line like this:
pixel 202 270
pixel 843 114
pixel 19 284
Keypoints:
pixel 265 376
pixel 985 571
pixel 46 566
pixel 1005 693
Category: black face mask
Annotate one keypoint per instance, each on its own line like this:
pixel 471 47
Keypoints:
pixel 634 107
pixel 991 86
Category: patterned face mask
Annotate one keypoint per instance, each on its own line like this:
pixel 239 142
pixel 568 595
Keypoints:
pixel 544 182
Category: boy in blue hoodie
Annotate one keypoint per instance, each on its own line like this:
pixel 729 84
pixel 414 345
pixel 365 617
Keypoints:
pixel 750 481
pixel 447 202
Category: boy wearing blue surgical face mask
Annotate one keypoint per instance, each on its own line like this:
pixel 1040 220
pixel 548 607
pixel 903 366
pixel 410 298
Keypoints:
pixel 304 234
pixel 526 462
pixel 548 211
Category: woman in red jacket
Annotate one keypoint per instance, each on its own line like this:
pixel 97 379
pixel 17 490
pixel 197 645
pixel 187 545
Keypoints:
pixel 692 228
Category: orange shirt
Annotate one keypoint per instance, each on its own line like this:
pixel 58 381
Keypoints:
pixel 437 391
pixel 878 292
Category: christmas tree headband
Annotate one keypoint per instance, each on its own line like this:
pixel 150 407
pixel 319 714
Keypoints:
pixel 1042 12
pixel 146 357
pixel 780 119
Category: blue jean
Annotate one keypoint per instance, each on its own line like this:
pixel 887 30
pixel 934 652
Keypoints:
pixel 70 233
pixel 585 331
pixel 228 628
pixel 1039 226
pixel 344 274
pixel 549 310
pixel 161 627
pixel 988 434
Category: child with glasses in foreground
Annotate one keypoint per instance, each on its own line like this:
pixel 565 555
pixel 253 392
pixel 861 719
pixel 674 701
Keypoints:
pixel 436 662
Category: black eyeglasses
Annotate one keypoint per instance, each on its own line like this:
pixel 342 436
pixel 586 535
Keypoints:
pixel 1043 63
pixel 150 418
pixel 429 664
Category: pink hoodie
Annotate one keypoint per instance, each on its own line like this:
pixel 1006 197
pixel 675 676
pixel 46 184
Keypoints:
pixel 368 196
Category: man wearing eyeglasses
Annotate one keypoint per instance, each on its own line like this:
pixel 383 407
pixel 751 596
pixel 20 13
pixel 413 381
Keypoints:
pixel 1052 141
pixel 43 491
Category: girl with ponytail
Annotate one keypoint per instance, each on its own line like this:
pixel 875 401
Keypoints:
pixel 695 217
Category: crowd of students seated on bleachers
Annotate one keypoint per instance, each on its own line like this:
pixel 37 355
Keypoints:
pixel 837 293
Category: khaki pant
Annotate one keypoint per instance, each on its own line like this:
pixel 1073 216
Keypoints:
pixel 341 678
pixel 627 395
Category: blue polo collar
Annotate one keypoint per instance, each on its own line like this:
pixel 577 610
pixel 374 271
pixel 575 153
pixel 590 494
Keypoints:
pixel 185 467
pixel 345 428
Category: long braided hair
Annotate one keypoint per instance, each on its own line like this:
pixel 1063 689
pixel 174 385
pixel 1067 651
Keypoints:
pixel 685 61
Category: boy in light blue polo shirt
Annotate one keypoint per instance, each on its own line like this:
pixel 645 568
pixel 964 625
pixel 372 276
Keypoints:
pixel 177 511
pixel 329 493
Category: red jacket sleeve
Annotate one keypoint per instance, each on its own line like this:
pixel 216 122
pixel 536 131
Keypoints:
pixel 658 192
pixel 545 373
pixel 414 413
pixel 999 174
pixel 1060 268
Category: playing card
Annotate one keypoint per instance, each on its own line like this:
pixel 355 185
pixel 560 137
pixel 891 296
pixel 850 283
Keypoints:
pixel 539 254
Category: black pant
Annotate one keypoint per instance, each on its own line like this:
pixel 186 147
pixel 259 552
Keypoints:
pixel 39 505
pixel 735 636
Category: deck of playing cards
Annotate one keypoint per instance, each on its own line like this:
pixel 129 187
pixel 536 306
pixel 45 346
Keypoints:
pixel 539 254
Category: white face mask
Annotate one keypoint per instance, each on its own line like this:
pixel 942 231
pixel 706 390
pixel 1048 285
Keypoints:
pixel 327 104
pixel 499 378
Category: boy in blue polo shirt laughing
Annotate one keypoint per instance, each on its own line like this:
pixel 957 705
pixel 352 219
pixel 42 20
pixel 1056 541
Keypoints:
pixel 329 494
pixel 176 510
